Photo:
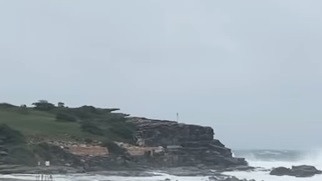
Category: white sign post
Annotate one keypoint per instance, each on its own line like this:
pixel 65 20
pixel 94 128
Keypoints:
pixel 47 163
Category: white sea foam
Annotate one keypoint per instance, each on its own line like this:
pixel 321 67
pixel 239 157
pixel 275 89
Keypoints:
pixel 87 177
pixel 313 158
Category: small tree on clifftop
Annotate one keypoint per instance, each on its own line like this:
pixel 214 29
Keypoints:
pixel 61 104
pixel 43 105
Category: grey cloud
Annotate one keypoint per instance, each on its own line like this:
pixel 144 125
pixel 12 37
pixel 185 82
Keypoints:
pixel 243 67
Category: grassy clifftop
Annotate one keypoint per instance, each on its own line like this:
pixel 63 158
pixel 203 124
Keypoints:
pixel 47 121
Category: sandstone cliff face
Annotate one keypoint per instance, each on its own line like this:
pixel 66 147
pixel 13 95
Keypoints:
pixel 183 144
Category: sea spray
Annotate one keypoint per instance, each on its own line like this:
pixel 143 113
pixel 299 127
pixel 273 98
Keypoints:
pixel 268 159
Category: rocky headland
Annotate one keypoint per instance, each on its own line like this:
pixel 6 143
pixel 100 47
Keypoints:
pixel 98 140
pixel 157 145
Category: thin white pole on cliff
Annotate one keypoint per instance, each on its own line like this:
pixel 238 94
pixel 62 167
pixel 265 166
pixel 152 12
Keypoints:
pixel 177 117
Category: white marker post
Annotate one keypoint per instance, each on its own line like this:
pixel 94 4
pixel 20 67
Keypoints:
pixel 177 117
pixel 47 163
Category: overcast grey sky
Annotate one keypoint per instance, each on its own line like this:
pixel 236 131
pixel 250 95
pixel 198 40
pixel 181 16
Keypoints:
pixel 250 69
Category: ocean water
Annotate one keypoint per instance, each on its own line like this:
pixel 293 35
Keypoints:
pixel 266 159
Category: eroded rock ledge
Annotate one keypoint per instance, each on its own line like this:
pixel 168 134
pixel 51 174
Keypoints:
pixel 178 144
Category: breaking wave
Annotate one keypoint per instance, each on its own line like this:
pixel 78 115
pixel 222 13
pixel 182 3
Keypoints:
pixel 265 159
pixel 268 159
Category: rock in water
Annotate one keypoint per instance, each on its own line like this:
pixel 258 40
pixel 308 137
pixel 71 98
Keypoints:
pixel 305 171
pixel 184 144
pixel 228 179
pixel 281 171
pixel 296 171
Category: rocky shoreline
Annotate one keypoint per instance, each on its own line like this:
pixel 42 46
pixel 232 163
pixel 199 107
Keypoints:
pixel 177 171
pixel 213 175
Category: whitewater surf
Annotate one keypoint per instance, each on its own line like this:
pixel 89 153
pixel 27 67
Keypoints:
pixel 265 160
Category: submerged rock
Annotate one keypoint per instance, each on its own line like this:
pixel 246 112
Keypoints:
pixel 296 171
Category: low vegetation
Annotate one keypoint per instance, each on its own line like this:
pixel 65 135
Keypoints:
pixel 13 147
pixel 47 121
pixel 24 131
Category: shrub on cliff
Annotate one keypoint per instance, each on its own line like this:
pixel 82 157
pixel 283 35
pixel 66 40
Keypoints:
pixel 15 145
pixel 123 131
pixel 20 154
pixel 113 148
pixel 65 117
pixel 10 136
pixel 43 105
pixel 90 127
pixel 55 154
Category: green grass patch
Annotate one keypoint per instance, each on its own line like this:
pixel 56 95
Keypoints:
pixel 81 123
pixel 38 123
